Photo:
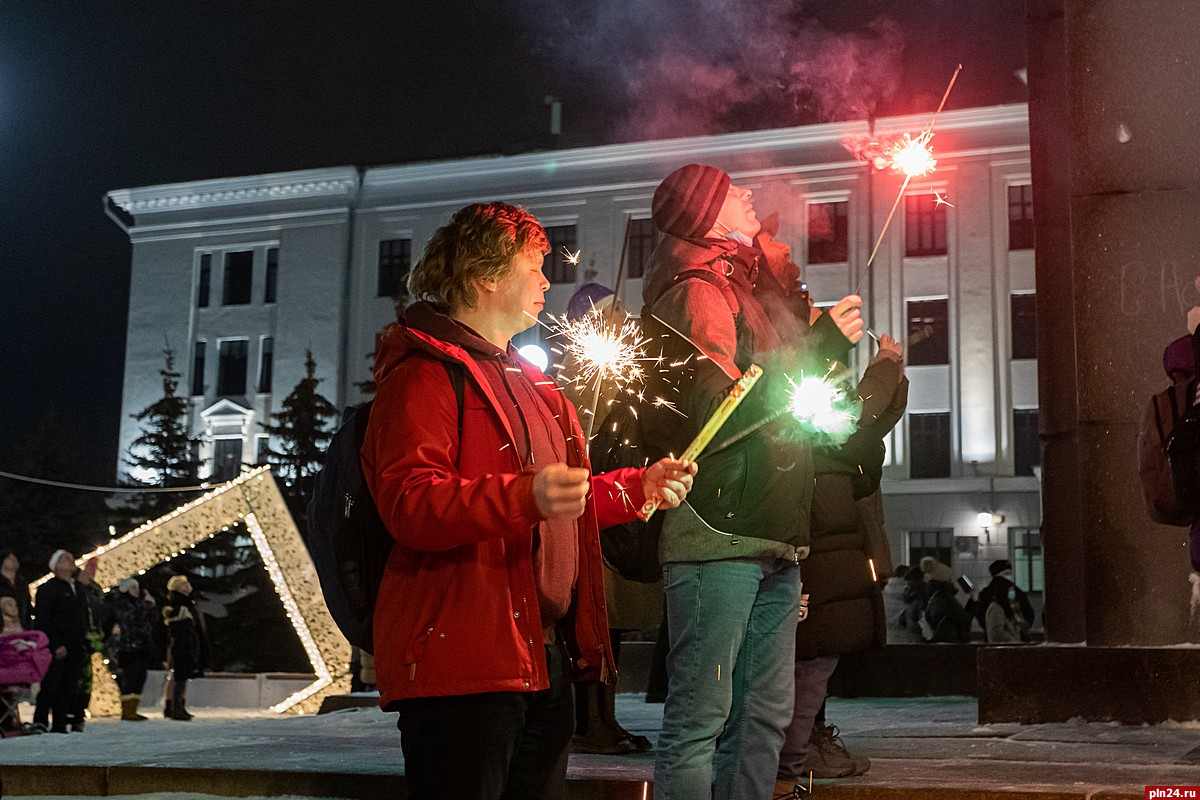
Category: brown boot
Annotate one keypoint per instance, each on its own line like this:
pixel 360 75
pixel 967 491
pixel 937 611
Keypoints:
pixel 129 707
pixel 828 756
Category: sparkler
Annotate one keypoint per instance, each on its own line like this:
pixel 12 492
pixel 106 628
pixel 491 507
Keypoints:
pixel 601 350
pixel 571 258
pixel 913 157
pixel 719 417
pixel 821 404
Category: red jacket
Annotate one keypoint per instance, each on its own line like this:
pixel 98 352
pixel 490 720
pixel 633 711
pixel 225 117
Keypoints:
pixel 457 611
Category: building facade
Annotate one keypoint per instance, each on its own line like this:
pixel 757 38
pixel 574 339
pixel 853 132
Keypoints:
pixel 242 276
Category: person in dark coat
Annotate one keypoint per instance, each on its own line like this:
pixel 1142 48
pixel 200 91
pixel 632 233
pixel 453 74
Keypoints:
pixel 93 596
pixel 14 586
pixel 61 613
pixel 948 619
pixel 189 648
pixel 1015 612
pixel 845 612
pixel 914 597
pixel 129 626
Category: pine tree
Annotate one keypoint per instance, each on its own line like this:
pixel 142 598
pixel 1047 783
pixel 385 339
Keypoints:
pixel 302 431
pixel 165 453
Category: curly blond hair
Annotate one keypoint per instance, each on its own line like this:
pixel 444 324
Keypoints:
pixel 478 244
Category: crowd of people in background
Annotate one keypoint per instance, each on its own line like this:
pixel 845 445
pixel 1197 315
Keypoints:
pixel 50 643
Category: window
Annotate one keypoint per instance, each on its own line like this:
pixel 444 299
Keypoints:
pixel 1020 217
pixel 562 241
pixel 198 368
pixel 936 542
pixel 227 459
pixel 262 449
pixel 640 238
pixel 928 332
pixel 266 364
pixel 1024 326
pixel 1027 558
pixel 924 226
pixel 239 273
pixel 272 274
pixel 929 445
pixel 1027 449
pixel 205 283
pixel 828 233
pixel 231 368
pixel 395 259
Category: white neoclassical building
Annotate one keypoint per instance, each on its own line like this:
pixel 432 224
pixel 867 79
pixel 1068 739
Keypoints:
pixel 242 275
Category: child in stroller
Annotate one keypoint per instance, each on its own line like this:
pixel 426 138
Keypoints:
pixel 24 658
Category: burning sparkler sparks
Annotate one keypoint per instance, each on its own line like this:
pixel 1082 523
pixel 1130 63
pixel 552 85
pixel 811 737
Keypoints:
pixel 822 406
pixel 603 350
pixel 913 157
pixel 571 258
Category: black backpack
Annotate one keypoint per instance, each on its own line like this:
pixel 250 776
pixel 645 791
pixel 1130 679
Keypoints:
pixel 1183 454
pixel 631 548
pixel 347 540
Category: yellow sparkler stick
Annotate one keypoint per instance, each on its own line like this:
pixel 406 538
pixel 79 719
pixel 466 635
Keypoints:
pixel 713 425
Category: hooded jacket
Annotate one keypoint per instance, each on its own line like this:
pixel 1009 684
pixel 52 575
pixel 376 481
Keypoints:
pixel 457 611
pixel 750 499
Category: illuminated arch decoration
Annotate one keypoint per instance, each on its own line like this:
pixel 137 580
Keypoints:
pixel 254 499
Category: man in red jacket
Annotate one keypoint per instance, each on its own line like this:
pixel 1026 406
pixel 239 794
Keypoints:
pixel 493 594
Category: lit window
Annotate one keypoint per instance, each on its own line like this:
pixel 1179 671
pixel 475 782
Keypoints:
pixel 1028 561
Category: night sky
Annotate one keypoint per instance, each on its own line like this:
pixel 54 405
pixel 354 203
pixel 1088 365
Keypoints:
pixel 103 95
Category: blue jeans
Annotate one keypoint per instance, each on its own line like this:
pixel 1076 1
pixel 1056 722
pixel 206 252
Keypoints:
pixel 733 649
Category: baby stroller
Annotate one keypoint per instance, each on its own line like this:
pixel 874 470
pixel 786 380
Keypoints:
pixel 24 659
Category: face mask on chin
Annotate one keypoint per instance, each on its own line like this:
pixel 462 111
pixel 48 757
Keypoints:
pixel 740 238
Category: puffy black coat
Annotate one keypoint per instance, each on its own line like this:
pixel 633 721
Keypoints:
pixel 845 604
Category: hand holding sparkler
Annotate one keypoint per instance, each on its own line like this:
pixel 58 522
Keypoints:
pixel 561 491
pixel 667 482
pixel 847 315
pixel 719 417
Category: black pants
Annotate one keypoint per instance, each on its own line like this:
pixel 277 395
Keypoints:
pixel 133 665
pixel 59 689
pixel 494 746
